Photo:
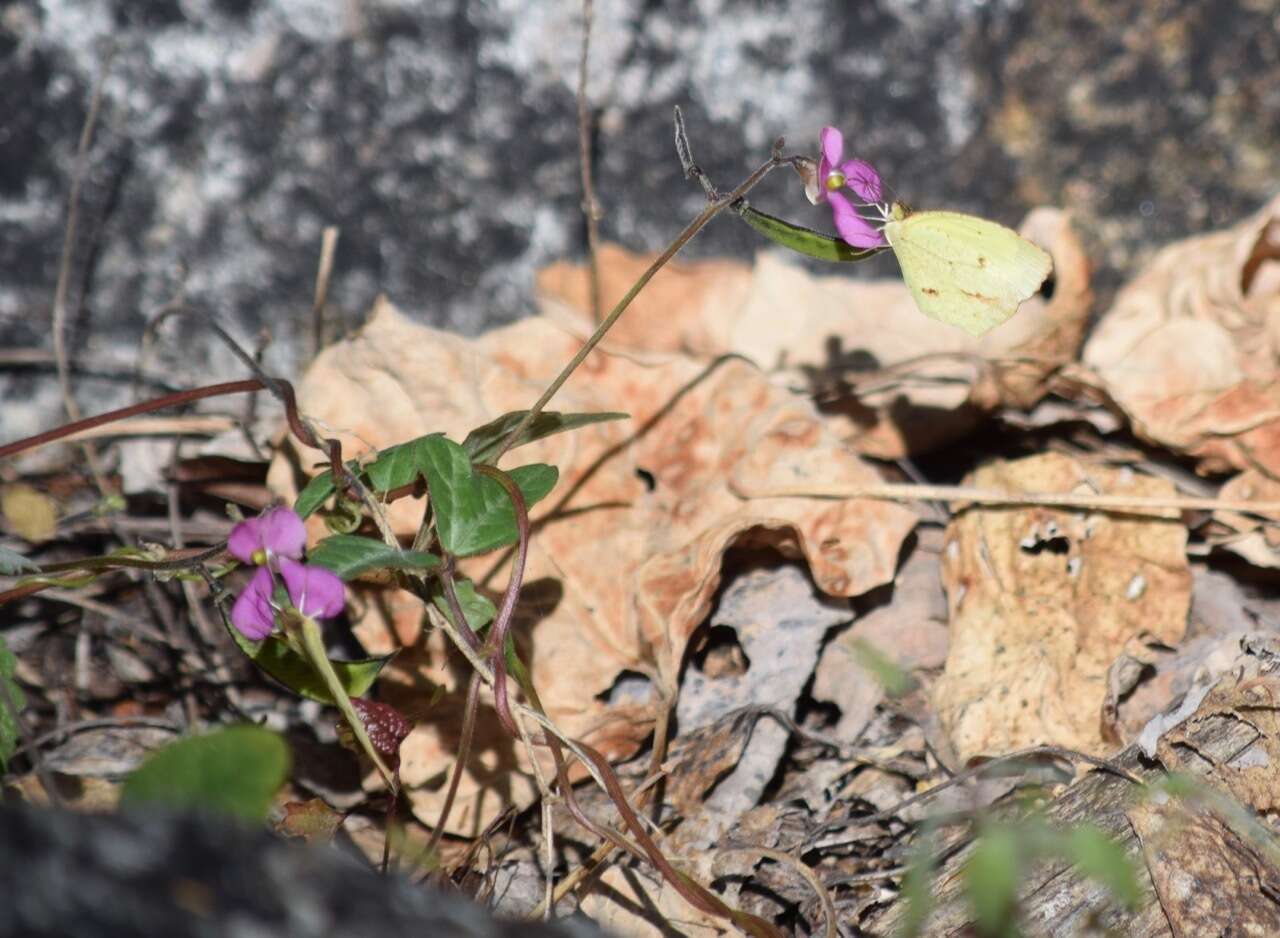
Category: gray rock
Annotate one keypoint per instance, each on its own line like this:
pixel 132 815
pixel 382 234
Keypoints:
pixel 440 137
pixel 157 875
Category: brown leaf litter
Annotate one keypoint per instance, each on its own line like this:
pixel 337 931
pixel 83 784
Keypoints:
pixel 626 552
pixel 1042 601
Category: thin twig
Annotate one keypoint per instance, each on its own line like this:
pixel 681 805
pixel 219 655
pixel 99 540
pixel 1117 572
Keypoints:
pixel 710 211
pixel 977 771
pixel 59 312
pixel 1157 506
pixel 328 246
pixel 824 897
pixel 590 207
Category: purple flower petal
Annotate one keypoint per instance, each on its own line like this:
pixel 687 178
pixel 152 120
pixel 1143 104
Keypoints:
pixel 832 148
pixel 316 592
pixel 853 228
pixel 252 614
pixel 245 539
pixel 283 533
pixel 277 532
pixel 862 178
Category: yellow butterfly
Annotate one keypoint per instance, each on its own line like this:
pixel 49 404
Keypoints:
pixel 963 270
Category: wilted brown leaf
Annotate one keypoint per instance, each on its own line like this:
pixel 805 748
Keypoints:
pixel 1188 349
pixel 626 552
pixel 1256 539
pixel 30 514
pixel 312 820
pixel 1042 601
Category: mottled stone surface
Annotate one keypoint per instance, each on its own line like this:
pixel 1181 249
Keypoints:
pixel 154 874
pixel 440 137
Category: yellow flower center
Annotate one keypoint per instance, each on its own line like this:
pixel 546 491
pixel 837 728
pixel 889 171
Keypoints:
pixel 835 180
pixel 259 557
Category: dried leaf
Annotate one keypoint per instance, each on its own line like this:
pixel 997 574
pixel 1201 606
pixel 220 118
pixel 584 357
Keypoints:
pixel 313 820
pixel 1188 348
pixel 626 552
pixel 30 514
pixel 1043 601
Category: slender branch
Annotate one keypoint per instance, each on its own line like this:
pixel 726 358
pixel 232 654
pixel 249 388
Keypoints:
pixel 88 423
pixel 710 211
pixel 1122 504
pixel 59 324
pixel 590 207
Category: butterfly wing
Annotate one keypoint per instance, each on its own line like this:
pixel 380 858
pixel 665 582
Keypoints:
pixel 966 271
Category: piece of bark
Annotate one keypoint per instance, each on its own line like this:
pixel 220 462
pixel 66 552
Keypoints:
pixel 1055 900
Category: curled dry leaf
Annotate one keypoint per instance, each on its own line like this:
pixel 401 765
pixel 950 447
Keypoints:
pixel 626 552
pixel 885 375
pixel 1189 348
pixel 1042 601
pixel 1256 538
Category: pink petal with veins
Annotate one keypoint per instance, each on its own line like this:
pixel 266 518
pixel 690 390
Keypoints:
pixel 316 592
pixel 252 614
pixel 853 228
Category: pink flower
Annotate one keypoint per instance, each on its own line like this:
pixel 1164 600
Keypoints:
pixel 835 174
pixel 252 614
pixel 274 541
pixel 277 532
pixel 314 591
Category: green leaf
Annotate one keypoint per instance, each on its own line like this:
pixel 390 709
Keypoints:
pixel 483 443
pixel 1101 859
pixel 314 494
pixel 235 770
pixel 917 887
pixel 400 464
pixel 274 656
pixel 477 609
pixel 473 512
pixel 349 556
pixel 884 669
pixel 803 240
pixel 991 878
pixel 12 701
pixel 13 563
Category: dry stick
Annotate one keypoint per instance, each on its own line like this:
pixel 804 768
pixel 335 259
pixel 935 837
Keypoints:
pixel 1127 504
pixel 696 895
pixel 497 642
pixel 590 207
pixel 824 897
pixel 59 312
pixel 146 407
pixel 328 246
pixel 460 763
pixel 976 771
pixel 712 209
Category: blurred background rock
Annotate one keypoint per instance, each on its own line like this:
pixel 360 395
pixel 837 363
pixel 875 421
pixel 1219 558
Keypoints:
pixel 440 137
